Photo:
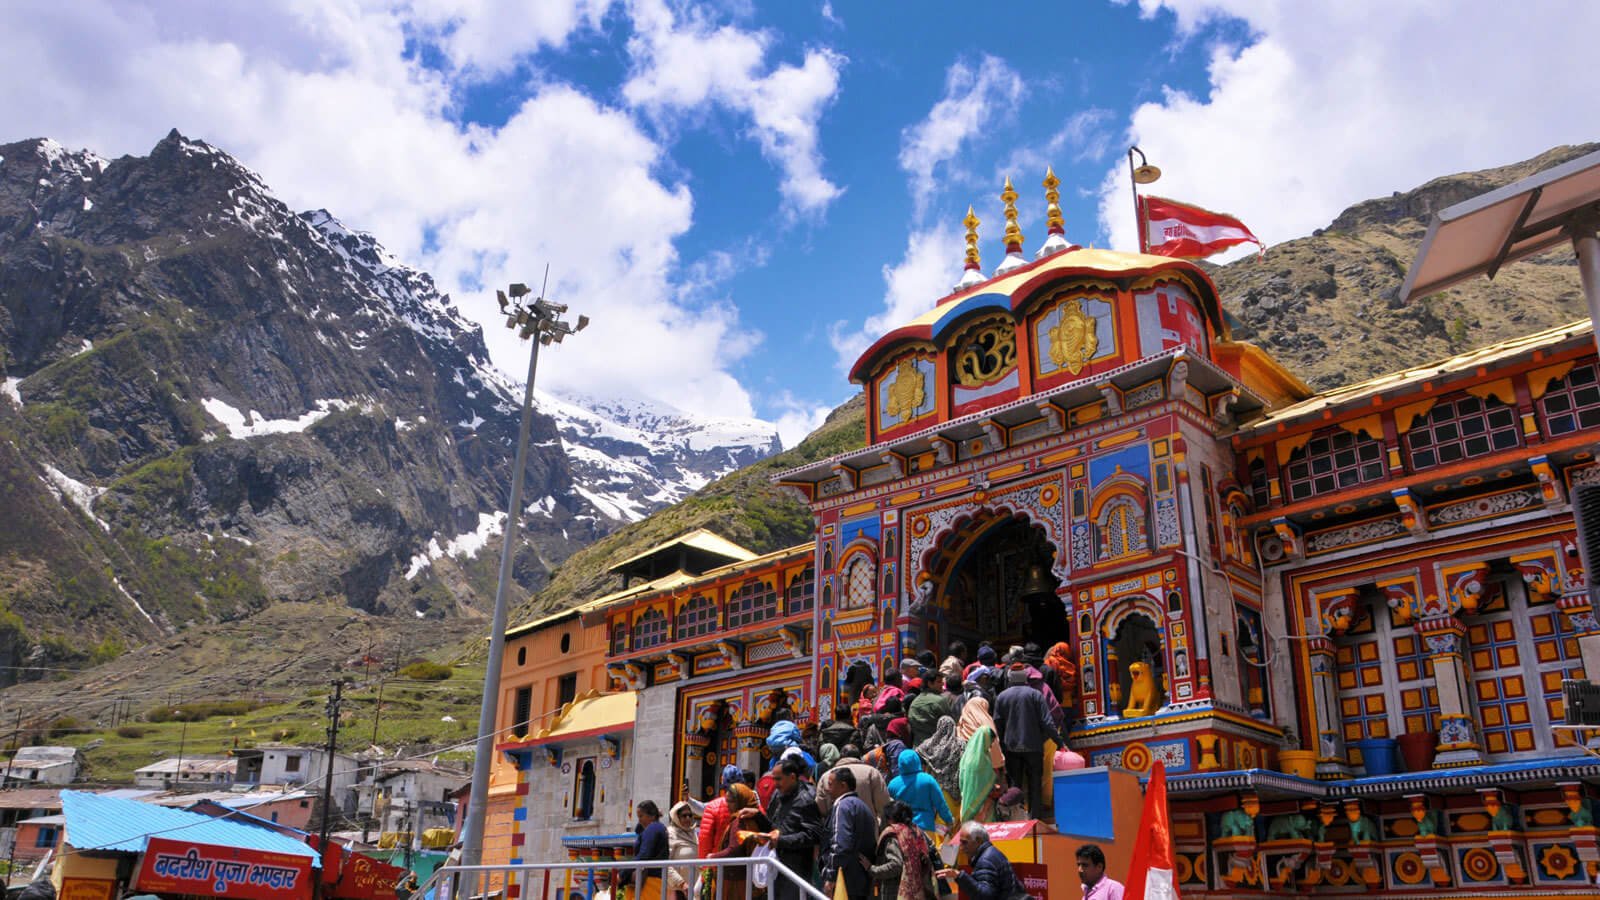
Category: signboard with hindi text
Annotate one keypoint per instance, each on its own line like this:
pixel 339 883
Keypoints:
pixel 86 889
pixel 179 867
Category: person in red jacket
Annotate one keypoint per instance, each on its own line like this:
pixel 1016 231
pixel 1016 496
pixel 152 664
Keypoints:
pixel 716 817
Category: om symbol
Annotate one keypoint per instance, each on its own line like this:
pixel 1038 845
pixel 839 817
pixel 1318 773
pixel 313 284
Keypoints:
pixel 986 355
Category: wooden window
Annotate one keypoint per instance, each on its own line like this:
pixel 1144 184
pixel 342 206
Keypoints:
pixel 1460 429
pixel 802 593
pixel 861 583
pixel 619 638
pixel 1122 528
pixel 650 630
pixel 583 791
pixel 522 710
pixel 754 601
pixel 696 618
pixel 1332 461
pixel 1572 403
pixel 1260 492
pixel 567 689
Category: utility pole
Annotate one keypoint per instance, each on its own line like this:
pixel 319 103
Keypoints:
pixel 327 781
pixel 16 744
pixel 183 739
pixel 376 712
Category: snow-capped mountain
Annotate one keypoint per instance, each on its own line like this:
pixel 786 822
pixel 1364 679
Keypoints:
pixel 224 403
pixel 632 457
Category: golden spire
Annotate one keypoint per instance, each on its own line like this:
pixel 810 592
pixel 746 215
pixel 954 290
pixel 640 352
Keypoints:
pixel 971 221
pixel 1013 237
pixel 1052 196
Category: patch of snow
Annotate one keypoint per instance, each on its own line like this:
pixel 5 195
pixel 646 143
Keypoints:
pixel 81 495
pixel 543 506
pixel 116 581
pixel 419 612
pixel 242 426
pixel 88 345
pixel 473 424
pixel 614 506
pixel 88 205
pixel 444 718
pixel 10 388
pixel 466 545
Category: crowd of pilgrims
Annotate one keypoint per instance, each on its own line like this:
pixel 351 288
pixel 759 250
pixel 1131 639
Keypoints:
pixel 861 805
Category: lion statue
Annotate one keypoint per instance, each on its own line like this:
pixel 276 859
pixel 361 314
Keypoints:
pixel 1144 698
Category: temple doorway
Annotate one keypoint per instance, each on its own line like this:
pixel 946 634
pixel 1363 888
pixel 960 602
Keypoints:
pixel 999 586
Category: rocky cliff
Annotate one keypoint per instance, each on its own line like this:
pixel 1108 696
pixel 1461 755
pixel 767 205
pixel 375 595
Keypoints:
pixel 212 404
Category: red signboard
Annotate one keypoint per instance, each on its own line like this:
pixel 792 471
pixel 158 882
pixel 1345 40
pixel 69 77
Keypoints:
pixel 365 878
pixel 1034 878
pixel 179 867
pixel 87 889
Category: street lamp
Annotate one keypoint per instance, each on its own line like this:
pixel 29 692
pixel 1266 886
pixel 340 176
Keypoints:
pixel 541 321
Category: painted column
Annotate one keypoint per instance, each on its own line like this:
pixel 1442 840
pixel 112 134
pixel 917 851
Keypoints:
pixel 1325 692
pixel 1458 731
pixel 694 754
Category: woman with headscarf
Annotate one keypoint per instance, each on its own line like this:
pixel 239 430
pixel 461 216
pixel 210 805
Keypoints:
pixel 982 760
pixel 904 868
pixel 727 882
pixel 683 842
pixel 941 758
pixel 892 748
pixel 1061 673
pixel 900 729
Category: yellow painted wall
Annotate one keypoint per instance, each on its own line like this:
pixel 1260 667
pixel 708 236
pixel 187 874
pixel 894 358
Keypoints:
pixel 71 864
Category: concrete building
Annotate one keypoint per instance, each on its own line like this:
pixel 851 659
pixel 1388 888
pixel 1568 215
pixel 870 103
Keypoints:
pixel 287 765
pixel 43 765
pixel 191 772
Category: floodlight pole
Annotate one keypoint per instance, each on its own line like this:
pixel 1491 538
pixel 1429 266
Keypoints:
pixel 1585 234
pixel 539 321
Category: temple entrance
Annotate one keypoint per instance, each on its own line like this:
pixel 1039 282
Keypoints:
pixel 1000 588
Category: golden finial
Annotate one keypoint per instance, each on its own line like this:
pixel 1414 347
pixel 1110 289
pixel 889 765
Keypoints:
pixel 971 221
pixel 1013 237
pixel 1052 198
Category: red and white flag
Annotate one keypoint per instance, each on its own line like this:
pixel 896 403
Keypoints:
pixel 1150 875
pixel 1177 229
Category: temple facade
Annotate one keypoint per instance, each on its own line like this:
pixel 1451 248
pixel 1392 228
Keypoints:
pixel 1341 620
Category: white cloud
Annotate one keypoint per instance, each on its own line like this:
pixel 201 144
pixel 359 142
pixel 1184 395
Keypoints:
pixel 683 64
pixel 930 266
pixel 1330 104
pixel 972 99
pixel 329 103
pixel 798 418
pixel 488 37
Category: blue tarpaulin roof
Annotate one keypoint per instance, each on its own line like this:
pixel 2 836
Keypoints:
pixel 97 822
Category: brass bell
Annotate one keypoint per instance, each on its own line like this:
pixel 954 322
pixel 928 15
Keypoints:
pixel 1038 581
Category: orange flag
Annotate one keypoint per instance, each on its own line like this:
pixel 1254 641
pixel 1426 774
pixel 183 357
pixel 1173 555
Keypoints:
pixel 1150 876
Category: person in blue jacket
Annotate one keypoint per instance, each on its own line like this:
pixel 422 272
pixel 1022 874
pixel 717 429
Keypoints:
pixel 918 790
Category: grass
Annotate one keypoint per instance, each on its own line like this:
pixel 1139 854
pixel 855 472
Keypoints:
pixel 411 722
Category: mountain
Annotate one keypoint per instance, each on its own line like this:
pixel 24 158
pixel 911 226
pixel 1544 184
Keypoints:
pixel 211 405
pixel 632 457
pixel 1320 304
pixel 1328 305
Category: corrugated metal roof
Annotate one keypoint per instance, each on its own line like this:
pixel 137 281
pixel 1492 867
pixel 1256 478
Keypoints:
pixel 95 822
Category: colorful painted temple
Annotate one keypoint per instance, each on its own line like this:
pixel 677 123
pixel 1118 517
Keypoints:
pixel 1341 619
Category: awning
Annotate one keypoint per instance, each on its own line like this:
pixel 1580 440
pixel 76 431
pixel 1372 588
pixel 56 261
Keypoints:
pixel 591 715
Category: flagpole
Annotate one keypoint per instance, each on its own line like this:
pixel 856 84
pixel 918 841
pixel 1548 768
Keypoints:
pixel 1144 173
pixel 1138 215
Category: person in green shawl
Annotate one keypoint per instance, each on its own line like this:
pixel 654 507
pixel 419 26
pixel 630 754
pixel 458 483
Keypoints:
pixel 979 770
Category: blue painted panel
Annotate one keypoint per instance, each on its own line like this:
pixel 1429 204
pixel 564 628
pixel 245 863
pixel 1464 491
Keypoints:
pixel 1133 459
pixel 1083 804
pixel 867 527
pixel 520 814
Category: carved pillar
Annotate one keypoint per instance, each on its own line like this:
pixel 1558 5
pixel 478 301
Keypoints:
pixel 694 755
pixel 751 738
pixel 1325 692
pixel 1428 839
pixel 1504 834
pixel 1458 732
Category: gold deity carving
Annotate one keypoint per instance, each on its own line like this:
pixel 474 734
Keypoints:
pixel 989 353
pixel 1074 339
pixel 907 392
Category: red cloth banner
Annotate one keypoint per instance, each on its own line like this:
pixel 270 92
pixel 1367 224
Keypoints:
pixel 1189 232
pixel 365 878
pixel 1150 875
pixel 180 867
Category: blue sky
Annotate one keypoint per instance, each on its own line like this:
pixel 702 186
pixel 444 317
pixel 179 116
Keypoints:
pixel 742 195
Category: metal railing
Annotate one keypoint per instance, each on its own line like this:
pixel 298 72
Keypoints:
pixel 582 880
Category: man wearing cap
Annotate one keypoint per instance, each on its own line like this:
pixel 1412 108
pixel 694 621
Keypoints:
pixel 716 817
pixel 1024 723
